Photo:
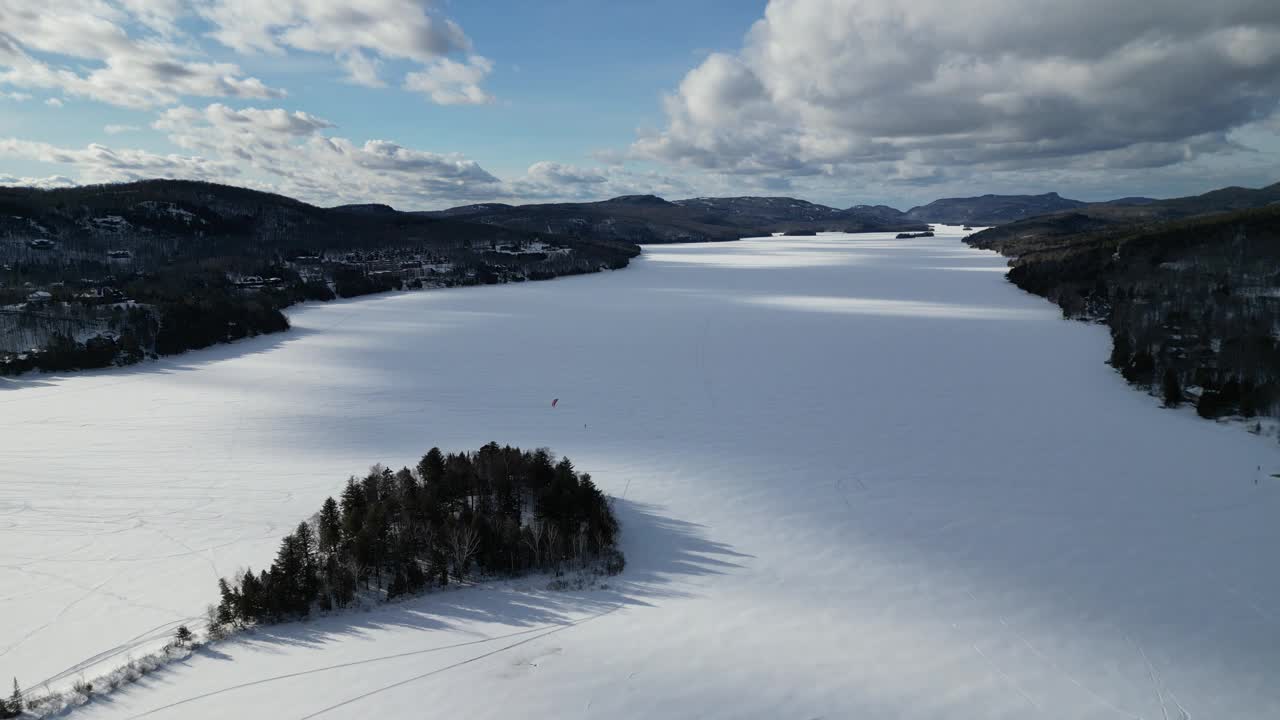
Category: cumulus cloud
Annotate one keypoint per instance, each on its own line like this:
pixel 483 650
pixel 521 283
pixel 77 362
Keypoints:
pixel 362 69
pixel 279 150
pixel 118 129
pixel 53 181
pixel 147 53
pixel 448 82
pixel 108 62
pixel 97 163
pixel 560 174
pixel 912 90
pixel 293 153
pixel 359 33
pixel 555 181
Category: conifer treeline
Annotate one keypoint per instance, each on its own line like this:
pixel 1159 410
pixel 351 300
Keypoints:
pixel 13 707
pixel 500 510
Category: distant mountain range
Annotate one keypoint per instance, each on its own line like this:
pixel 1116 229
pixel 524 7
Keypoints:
pixel 204 219
pixel 218 218
pixel 1047 231
pixel 646 219
pixel 990 209
pixel 651 219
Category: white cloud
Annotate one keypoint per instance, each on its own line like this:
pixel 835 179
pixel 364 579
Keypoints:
pixel 119 129
pixel 53 181
pixel 97 163
pixel 560 174
pixel 554 181
pixel 359 34
pixel 278 150
pixel 15 96
pixel 362 69
pixel 448 82
pixel 54 102
pixel 109 63
pixel 915 90
pixel 289 152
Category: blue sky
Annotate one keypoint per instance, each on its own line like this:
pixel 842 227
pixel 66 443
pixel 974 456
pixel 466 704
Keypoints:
pixel 430 104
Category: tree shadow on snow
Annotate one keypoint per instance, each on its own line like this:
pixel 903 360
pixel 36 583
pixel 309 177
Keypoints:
pixel 663 554
pixel 173 364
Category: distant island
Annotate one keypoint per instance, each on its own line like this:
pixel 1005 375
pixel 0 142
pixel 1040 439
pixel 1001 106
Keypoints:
pixel 908 236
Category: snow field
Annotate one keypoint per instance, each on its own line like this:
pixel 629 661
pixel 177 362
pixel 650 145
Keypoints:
pixel 859 477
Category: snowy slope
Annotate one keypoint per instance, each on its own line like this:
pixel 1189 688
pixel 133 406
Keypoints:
pixel 860 478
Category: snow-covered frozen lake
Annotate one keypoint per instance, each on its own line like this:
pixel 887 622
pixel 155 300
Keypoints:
pixel 860 478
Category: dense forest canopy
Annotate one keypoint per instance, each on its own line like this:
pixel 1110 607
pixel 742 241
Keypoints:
pixel 499 511
pixel 1193 305
pixel 110 274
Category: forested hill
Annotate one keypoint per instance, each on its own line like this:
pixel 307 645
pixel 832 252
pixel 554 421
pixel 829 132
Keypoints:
pixel 651 219
pixel 1193 303
pixel 168 217
pixel 990 209
pixel 1047 231
pixel 111 274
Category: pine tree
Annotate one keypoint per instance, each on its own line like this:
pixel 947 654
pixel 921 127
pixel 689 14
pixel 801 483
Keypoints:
pixel 250 603
pixel 330 524
pixel 353 508
pixel 458 511
pixel 1121 352
pixel 309 582
pixel 15 700
pixel 431 469
pixel 1172 388
pixel 227 604
pixel 183 635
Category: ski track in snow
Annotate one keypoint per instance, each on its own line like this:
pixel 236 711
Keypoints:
pixel 855 480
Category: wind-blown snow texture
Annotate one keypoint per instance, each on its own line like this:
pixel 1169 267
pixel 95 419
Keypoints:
pixel 858 478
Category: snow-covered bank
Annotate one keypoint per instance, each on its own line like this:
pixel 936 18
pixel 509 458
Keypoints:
pixel 860 479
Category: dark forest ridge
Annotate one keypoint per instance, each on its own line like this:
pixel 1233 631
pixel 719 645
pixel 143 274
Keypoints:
pixel 1188 287
pixel 242 216
pixel 651 219
pixel 112 274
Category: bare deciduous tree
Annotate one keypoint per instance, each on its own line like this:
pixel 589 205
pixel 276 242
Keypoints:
pixel 464 542
pixel 536 540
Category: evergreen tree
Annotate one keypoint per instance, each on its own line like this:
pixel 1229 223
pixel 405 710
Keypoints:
pixel 353 508
pixel 228 603
pixel 1121 352
pixel 15 700
pixel 250 605
pixel 1171 388
pixel 330 525
pixel 431 469
pixel 404 531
